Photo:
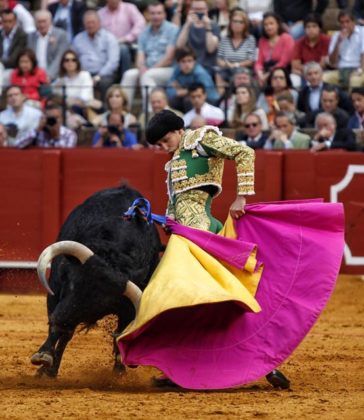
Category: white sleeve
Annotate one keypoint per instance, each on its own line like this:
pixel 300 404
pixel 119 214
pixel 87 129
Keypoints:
pixel 333 42
pixel 361 31
pixel 87 92
pixel 25 18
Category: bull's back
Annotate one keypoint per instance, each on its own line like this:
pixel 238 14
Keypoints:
pixel 99 207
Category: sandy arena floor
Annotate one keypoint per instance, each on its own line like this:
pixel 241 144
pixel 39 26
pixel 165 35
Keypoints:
pixel 326 371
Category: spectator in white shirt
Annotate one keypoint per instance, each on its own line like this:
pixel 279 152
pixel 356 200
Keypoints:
pixel 18 117
pixel 78 83
pixel 212 114
pixel 48 43
pixel 346 53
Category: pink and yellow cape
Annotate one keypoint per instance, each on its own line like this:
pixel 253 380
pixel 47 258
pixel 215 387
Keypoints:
pixel 214 317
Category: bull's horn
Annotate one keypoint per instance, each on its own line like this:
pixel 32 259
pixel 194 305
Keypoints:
pixel 81 252
pixel 133 293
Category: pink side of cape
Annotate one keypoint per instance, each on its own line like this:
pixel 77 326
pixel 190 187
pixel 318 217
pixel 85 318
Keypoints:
pixel 221 345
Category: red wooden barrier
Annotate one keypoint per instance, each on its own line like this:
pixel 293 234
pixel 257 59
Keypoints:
pixel 38 189
pixel 336 177
pixel 30 202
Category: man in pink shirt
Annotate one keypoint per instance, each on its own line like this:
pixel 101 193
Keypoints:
pixel 125 22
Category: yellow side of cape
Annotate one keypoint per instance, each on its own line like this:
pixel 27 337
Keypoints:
pixel 187 276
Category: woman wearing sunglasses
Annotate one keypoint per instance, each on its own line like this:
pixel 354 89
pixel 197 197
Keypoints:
pixel 78 83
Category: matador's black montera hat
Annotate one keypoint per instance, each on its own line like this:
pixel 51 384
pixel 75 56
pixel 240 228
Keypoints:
pixel 161 124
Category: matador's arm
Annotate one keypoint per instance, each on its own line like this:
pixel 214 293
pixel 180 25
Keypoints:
pixel 223 147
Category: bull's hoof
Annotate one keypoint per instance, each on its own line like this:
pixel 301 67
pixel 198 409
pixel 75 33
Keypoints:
pixel 41 358
pixel 43 371
pixel 119 368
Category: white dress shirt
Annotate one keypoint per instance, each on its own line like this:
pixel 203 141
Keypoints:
pixel 210 113
pixel 41 50
pixel 350 49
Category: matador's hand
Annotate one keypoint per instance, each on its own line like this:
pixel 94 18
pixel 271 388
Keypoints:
pixel 237 208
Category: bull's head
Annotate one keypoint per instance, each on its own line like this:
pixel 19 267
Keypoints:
pixel 82 253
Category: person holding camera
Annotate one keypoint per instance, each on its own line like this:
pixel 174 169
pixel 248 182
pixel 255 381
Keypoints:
pixel 18 117
pixel 50 132
pixel 114 134
pixel 201 34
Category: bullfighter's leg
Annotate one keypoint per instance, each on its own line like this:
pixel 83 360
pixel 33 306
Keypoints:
pixel 277 379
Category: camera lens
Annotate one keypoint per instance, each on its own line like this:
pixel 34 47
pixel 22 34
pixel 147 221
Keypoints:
pixel 51 121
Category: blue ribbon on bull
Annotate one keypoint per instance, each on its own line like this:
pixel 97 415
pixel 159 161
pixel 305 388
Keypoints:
pixel 142 206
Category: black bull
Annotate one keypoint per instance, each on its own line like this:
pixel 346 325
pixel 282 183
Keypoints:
pixel 93 281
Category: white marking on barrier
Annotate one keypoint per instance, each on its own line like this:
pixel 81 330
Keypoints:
pixel 334 191
pixel 19 264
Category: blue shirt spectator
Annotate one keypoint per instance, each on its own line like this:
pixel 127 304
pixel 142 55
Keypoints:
pixel 154 43
pixel 185 74
pixel 114 134
pixel 97 48
pixel 128 139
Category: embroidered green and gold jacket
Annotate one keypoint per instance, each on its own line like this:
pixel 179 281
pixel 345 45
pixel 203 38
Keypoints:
pixel 199 162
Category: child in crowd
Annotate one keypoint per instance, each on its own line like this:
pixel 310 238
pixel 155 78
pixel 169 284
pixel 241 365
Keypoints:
pixel 186 73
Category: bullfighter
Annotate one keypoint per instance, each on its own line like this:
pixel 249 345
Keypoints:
pixel 211 317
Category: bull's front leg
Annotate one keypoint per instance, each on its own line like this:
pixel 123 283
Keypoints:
pixel 63 340
pixel 44 357
pixel 49 355
pixel 124 320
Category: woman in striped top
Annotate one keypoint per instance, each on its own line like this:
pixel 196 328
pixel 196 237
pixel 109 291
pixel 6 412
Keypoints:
pixel 235 50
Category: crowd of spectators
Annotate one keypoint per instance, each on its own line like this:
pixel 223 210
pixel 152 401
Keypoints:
pixel 265 69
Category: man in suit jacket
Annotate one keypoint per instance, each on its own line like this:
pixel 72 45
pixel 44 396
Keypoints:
pixel 254 136
pixel 48 43
pixel 285 134
pixel 12 39
pixel 329 102
pixel 328 137
pixel 309 96
pixel 68 15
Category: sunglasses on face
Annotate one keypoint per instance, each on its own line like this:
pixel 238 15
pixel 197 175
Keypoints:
pixel 251 125
pixel 279 77
pixel 237 21
pixel 70 59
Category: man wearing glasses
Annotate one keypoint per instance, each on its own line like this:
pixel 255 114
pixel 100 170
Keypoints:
pixel 253 136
